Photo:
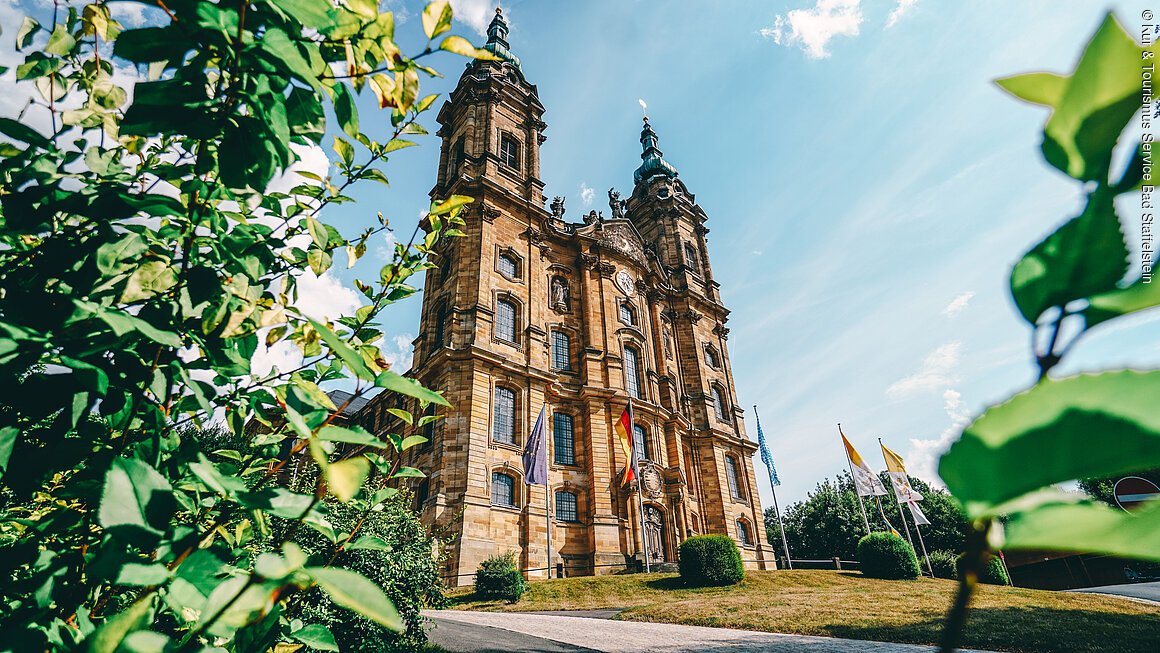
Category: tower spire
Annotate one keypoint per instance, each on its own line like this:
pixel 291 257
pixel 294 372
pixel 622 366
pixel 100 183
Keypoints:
pixel 653 161
pixel 497 42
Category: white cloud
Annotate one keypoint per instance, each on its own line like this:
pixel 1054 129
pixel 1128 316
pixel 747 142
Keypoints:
pixel 476 14
pixel 399 352
pixel 385 252
pixel 922 459
pixel 903 7
pixel 937 371
pixel 325 297
pixel 812 29
pixel 958 304
pixel 587 194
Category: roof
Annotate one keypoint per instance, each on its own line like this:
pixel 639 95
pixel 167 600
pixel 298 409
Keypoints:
pixel 340 397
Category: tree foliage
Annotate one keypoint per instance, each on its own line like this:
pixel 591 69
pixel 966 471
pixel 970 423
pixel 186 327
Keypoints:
pixel 1104 489
pixel 144 259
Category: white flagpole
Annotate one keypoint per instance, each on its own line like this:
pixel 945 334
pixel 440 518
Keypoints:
pixel 776 510
pixel 548 523
pixel 639 495
pixel 918 529
pixel 900 510
pixel 849 462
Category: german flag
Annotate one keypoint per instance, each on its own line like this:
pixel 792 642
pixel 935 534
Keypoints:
pixel 624 432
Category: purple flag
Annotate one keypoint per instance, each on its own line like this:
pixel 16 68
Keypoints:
pixel 536 454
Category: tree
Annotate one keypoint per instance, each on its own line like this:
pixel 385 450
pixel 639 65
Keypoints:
pixel 1103 489
pixel 144 259
pixel 829 522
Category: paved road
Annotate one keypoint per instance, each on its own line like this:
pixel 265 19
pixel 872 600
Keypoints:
pixel 495 632
pixel 1141 591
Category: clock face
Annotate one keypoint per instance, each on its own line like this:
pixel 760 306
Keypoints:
pixel 625 283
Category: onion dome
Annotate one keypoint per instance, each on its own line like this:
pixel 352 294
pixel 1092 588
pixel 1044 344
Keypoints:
pixel 653 164
pixel 497 43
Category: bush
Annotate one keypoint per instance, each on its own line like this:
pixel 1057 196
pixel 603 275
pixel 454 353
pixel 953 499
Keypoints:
pixel 499 577
pixel 885 555
pixel 944 564
pixel 710 560
pixel 995 573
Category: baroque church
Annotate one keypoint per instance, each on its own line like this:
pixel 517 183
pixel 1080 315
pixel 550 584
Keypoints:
pixel 531 310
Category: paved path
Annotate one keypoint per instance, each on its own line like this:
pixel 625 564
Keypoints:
pixel 487 632
pixel 1140 591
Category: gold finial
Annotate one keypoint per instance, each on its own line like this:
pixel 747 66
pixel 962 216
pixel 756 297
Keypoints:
pixel 498 10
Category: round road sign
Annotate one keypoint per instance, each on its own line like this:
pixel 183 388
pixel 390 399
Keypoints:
pixel 1132 492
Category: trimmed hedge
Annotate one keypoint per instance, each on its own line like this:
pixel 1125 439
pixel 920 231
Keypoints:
pixel 499 577
pixel 945 564
pixel 885 555
pixel 993 574
pixel 710 560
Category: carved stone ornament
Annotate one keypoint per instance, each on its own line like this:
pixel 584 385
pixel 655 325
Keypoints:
pixel 488 212
pixel 622 238
pixel 625 282
pixel 652 485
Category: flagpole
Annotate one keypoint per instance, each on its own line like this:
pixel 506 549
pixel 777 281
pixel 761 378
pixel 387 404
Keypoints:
pixel 900 510
pixel 918 529
pixel 776 510
pixel 861 505
pixel 639 495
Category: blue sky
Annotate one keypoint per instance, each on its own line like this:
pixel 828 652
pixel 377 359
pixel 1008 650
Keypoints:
pixel 867 186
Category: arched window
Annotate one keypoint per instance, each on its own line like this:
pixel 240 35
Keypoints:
pixel 504 427
pixel 632 373
pixel 719 403
pixel 505 320
pixel 457 155
pixel 690 255
pixel 429 426
pixel 561 351
pixel 743 533
pixel 640 441
pixel 711 357
pixel 440 328
pixel 566 507
pixel 509 151
pixel 503 490
pixel 564 439
pixel 734 481
pixel 627 313
pixel 422 491
pixel 508 266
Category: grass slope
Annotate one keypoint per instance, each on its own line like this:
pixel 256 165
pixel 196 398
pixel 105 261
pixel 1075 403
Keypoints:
pixel 846 604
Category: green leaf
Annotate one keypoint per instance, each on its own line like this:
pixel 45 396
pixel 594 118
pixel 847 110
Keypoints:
pixel 436 18
pixel 450 204
pixel 344 150
pixel 8 436
pixel 238 607
pixel 351 435
pixel 142 575
pixel 345 110
pixel 152 44
pixel 1139 296
pixel 149 280
pixel 60 42
pixel 353 361
pixel 1084 426
pixel 284 53
pixel 135 496
pixel 345 477
pixel 23 133
pixel 112 633
pixel 316 637
pixel 28 29
pixel 1084 257
pixel 369 543
pixel 354 591
pixel 460 45
pixel 409 472
pixel 402 414
pixel 1088 526
pixel 409 387
pixel 1038 88
pixel 412 441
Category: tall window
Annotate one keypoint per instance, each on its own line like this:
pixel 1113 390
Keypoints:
pixel 711 358
pixel 509 151
pixel 429 427
pixel 566 507
pixel 509 266
pixel 690 255
pixel 627 313
pixel 503 490
pixel 504 429
pixel 743 533
pixel 505 320
pixel 440 327
pixel 561 351
pixel 632 373
pixel 457 155
pixel 564 439
pixel 640 441
pixel 731 473
pixel 719 403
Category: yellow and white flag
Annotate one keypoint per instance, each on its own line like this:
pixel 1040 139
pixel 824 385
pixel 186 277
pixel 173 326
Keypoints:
pixel 903 490
pixel 866 482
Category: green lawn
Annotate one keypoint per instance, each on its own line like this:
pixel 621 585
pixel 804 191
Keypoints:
pixel 846 604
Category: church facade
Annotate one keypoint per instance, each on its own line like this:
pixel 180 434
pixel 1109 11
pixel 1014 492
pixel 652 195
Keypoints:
pixel 532 311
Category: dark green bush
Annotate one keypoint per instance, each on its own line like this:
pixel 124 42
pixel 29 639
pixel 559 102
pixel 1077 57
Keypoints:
pixel 499 577
pixel 945 564
pixel 885 555
pixel 710 560
pixel 993 574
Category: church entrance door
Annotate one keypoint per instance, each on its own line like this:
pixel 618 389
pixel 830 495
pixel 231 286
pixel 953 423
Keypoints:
pixel 654 533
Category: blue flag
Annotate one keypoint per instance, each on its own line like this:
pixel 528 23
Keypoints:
pixel 765 457
pixel 536 454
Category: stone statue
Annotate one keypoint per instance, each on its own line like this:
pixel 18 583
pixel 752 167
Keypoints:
pixel 561 296
pixel 558 207
pixel 616 204
pixel 592 216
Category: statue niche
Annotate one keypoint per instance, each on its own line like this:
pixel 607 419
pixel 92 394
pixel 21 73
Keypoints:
pixel 561 295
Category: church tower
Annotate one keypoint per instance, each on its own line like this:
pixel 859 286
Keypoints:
pixel 529 313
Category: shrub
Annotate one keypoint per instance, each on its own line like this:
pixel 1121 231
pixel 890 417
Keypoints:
pixel 885 555
pixel 993 574
pixel 499 577
pixel 944 564
pixel 710 560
